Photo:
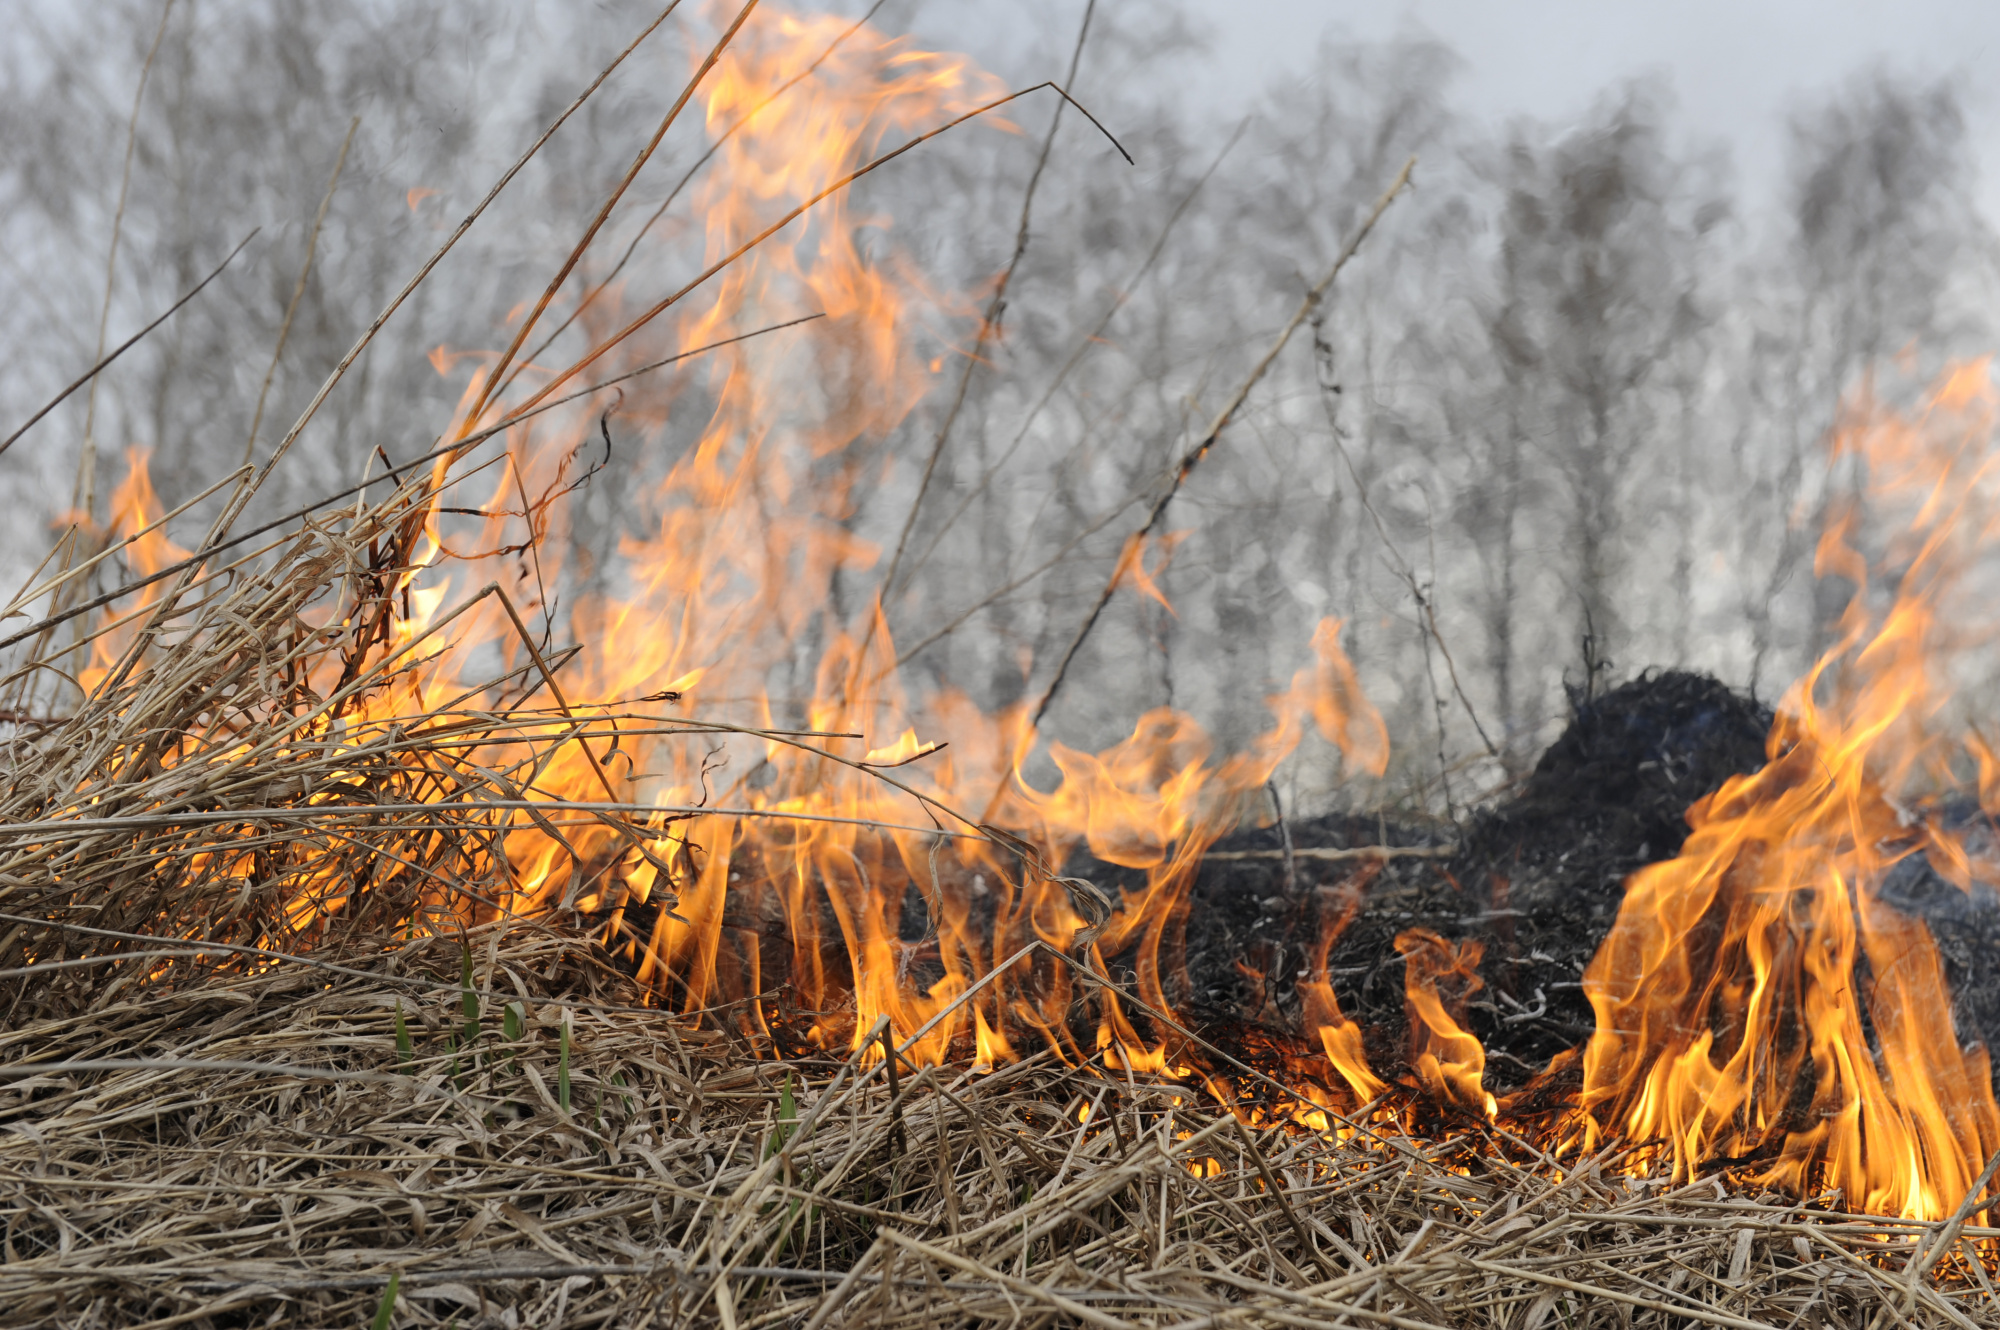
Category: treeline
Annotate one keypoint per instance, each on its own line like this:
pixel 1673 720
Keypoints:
pixel 1561 420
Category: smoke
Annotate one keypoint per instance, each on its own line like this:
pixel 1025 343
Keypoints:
pixel 1561 420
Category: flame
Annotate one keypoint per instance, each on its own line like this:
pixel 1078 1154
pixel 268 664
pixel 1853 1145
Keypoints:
pixel 1762 971
pixel 1759 998
pixel 904 751
pixel 1339 1036
pixel 745 548
pixel 1131 566
pixel 1439 978
pixel 134 508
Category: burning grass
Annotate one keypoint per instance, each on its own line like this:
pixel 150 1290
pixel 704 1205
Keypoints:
pixel 364 954
pixel 259 1068
pixel 267 1145
pixel 278 1036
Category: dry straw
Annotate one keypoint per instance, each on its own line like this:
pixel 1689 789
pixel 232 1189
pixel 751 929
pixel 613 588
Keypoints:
pixel 255 1069
pixel 523 1147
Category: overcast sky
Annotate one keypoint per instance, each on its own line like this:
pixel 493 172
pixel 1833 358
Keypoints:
pixel 1736 67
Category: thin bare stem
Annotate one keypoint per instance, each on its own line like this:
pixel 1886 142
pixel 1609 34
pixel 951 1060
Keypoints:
pixel 728 260
pixel 1194 456
pixel 604 284
pixel 1083 347
pixel 989 325
pixel 417 279
pixel 84 499
pixel 645 155
pixel 299 290
pixel 90 375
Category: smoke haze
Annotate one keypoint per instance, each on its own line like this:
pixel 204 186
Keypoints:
pixel 1562 419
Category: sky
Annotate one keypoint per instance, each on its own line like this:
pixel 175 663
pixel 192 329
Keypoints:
pixel 1736 68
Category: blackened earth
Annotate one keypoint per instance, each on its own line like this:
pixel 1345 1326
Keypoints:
pixel 1534 882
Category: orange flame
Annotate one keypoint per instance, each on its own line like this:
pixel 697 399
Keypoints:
pixel 1132 566
pixel 750 537
pixel 1439 977
pixel 1762 969
pixel 1339 1036
pixel 135 506
pixel 1760 972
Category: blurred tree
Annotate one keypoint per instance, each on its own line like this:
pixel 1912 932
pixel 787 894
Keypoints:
pixel 1604 240
pixel 1564 385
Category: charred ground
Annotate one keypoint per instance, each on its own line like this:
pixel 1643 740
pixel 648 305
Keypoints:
pixel 1532 883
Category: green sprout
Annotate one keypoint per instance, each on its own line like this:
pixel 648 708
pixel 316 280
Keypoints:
pixel 562 1070
pixel 405 1051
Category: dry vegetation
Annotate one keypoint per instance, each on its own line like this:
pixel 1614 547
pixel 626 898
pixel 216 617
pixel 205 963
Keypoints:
pixel 252 1148
pixel 494 1127
pixel 271 1124
pixel 277 1052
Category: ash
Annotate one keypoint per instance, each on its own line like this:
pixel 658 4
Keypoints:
pixel 1536 879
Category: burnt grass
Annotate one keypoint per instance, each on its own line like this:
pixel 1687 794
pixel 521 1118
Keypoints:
pixel 1534 881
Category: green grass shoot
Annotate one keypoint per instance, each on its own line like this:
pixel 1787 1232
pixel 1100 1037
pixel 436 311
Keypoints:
pixel 513 1024
pixel 788 1118
pixel 468 998
pixel 388 1307
pixel 562 1070
pixel 405 1051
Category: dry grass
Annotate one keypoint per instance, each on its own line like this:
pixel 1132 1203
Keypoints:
pixel 197 1132
pixel 277 1050
pixel 253 1148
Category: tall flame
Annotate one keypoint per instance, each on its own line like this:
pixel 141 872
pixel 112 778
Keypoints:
pixel 1759 998
pixel 1439 978
pixel 1762 972
pixel 135 522
pixel 731 593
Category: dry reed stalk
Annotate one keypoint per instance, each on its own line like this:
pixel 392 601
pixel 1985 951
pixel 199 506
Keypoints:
pixel 278 1047
pixel 208 1114
pixel 1193 456
pixel 87 459
pixel 298 291
pixel 257 1142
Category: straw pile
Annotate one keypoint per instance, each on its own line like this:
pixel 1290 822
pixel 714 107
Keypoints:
pixel 258 1069
pixel 494 1133
pixel 220 1108
pixel 277 1049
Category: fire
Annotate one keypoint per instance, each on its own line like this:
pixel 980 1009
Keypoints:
pixel 798 862
pixel 1339 1036
pixel 136 526
pixel 1439 977
pixel 1761 971
pixel 748 548
pixel 904 751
